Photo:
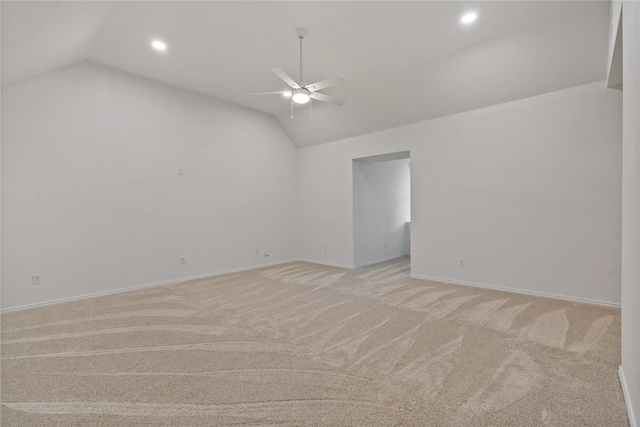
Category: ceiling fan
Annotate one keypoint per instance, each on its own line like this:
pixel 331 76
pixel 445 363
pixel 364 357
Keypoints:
pixel 302 93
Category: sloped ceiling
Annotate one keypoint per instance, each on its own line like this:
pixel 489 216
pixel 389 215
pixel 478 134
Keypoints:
pixel 404 61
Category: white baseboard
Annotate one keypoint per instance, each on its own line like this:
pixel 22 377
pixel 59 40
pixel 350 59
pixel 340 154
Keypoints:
pixel 517 291
pixel 330 264
pixel 627 398
pixel 146 285
pixel 366 264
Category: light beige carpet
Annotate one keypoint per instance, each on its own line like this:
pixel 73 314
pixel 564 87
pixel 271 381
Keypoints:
pixel 304 344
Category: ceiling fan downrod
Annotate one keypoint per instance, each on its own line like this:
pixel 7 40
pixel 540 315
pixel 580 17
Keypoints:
pixel 301 33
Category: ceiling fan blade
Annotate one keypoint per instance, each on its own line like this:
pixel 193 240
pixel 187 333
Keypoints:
pixel 288 80
pixel 326 83
pixel 274 92
pixel 326 98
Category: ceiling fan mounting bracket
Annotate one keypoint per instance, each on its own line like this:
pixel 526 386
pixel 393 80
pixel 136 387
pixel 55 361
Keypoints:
pixel 301 32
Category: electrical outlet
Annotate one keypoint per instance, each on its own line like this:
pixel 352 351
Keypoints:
pixel 180 171
pixel 183 260
pixel 257 251
pixel 461 262
pixel 385 246
pixel 35 279
pixel 325 249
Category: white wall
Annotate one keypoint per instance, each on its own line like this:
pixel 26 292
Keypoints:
pixel 631 209
pixel 381 209
pixel 614 54
pixel 528 192
pixel 91 195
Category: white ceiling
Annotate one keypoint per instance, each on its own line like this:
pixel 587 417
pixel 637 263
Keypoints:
pixel 404 61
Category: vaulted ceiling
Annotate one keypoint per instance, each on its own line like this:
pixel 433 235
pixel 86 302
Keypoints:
pixel 404 61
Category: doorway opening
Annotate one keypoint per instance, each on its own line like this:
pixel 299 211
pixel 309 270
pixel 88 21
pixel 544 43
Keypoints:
pixel 381 208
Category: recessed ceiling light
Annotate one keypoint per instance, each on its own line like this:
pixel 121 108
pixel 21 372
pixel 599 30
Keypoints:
pixel 286 94
pixel 468 18
pixel 158 45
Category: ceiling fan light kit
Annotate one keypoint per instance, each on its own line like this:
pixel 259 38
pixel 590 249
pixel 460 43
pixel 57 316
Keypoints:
pixel 301 96
pixel 301 93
